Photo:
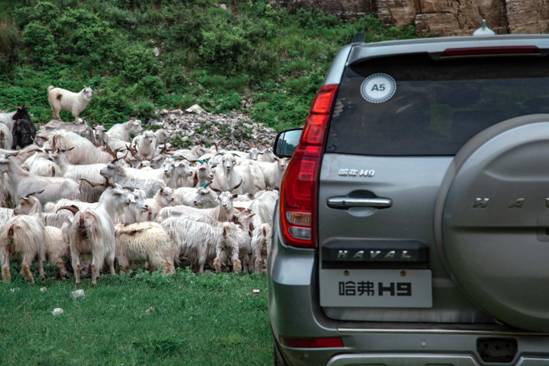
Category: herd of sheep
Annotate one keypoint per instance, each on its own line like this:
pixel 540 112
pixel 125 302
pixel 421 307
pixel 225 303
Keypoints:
pixel 115 199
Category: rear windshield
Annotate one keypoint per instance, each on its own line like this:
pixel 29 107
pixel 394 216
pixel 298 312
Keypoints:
pixel 416 105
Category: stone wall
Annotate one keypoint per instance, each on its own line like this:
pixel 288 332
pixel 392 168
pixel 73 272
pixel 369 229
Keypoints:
pixel 445 17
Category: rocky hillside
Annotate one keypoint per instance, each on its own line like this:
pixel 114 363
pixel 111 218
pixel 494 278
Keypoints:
pixel 445 17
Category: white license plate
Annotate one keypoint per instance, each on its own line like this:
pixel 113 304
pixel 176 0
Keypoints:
pixel 376 288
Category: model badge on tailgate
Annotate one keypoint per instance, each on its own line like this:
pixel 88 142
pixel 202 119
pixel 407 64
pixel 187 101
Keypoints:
pixel 358 173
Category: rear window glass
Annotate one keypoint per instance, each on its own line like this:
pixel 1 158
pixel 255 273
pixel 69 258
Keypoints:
pixel 416 105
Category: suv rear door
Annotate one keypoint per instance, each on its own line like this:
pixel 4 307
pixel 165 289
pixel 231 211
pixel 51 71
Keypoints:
pixel 396 125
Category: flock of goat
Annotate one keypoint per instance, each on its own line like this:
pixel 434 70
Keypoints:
pixel 123 196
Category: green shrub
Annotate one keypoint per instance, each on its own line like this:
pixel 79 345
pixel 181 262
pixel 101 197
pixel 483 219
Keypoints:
pixel 9 47
pixel 275 57
pixel 39 43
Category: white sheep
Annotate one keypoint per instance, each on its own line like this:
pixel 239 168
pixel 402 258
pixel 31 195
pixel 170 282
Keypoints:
pixel 62 99
pixel 146 241
pixel 21 183
pixel 125 131
pixel 22 235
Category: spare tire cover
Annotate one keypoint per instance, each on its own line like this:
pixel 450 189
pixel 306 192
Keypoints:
pixel 492 221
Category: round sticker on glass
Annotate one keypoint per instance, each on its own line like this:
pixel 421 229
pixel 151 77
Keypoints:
pixel 378 88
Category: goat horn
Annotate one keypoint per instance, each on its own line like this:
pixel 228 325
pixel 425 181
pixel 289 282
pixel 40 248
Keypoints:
pixel 109 151
pixel 34 193
pixel 72 208
pixel 92 184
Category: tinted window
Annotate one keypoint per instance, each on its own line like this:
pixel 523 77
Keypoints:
pixel 438 105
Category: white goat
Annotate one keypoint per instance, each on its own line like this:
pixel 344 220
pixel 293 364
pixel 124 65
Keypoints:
pixel 162 198
pixel 93 182
pixel 5 215
pixel 79 149
pixel 22 235
pixel 6 138
pixel 146 241
pixel 223 212
pixel 205 198
pixel 55 246
pixel 261 247
pixel 162 136
pixel 41 164
pixel 132 178
pixel 203 175
pixel 145 145
pixel 227 249
pixel 6 118
pixel 125 131
pixel 234 178
pixel 62 99
pixel 92 232
pixel 21 183
pixel 272 171
pixel 197 241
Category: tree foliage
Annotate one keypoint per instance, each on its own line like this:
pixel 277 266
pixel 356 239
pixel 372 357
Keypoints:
pixel 140 56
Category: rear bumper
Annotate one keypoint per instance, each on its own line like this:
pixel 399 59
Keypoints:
pixel 294 313
pixel 421 360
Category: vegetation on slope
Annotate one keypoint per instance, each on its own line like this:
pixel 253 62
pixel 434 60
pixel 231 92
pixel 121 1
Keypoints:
pixel 263 54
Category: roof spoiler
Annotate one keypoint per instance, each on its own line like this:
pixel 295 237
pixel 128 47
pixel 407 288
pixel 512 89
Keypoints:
pixel 359 37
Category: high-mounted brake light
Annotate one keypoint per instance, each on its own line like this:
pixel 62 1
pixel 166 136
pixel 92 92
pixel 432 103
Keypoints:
pixel 491 51
pixel 299 188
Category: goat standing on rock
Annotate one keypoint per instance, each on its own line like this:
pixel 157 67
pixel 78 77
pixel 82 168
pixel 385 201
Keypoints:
pixel 62 99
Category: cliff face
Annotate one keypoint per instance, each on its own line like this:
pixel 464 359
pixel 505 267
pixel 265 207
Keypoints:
pixel 445 17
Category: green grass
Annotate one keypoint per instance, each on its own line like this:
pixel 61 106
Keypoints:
pixel 187 319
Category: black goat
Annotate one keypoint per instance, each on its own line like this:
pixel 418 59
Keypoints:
pixel 24 131
pixel 21 113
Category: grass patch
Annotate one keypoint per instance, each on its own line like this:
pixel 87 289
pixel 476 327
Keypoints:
pixel 144 319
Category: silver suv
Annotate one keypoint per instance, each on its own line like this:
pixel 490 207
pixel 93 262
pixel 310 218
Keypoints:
pixel 413 221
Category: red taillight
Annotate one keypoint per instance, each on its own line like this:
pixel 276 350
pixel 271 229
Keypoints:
pixel 299 189
pixel 333 342
pixel 482 51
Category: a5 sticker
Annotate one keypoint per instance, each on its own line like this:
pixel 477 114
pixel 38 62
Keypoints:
pixel 378 88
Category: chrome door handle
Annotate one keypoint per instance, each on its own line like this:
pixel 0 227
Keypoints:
pixel 343 202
